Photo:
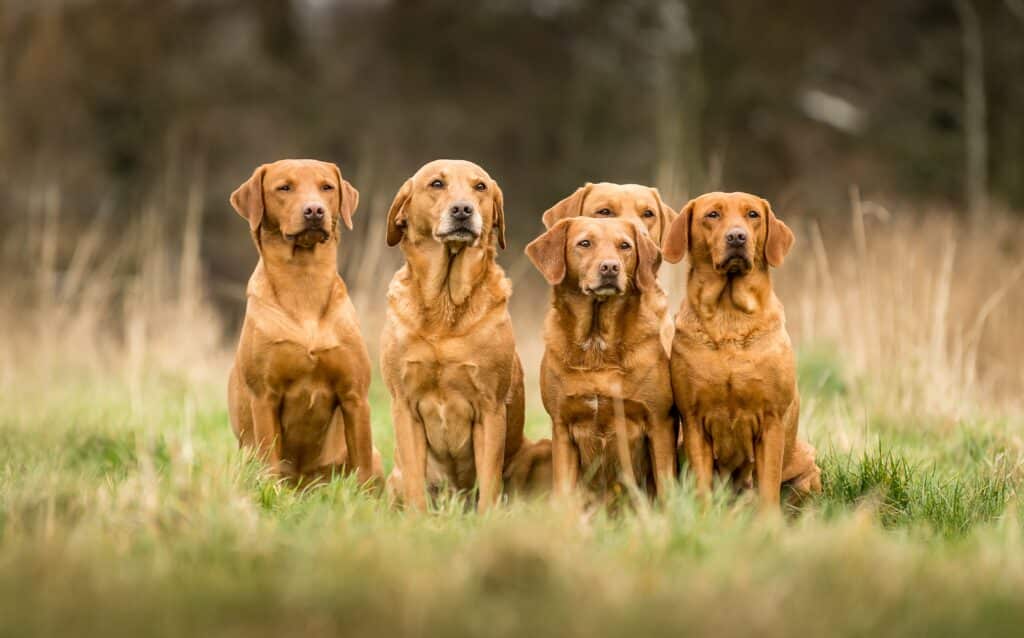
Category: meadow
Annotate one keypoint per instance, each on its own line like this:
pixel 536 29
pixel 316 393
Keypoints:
pixel 126 507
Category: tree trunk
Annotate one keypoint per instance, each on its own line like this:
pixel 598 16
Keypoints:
pixel 975 130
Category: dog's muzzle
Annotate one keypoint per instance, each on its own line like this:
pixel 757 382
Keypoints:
pixel 736 262
pixel 461 223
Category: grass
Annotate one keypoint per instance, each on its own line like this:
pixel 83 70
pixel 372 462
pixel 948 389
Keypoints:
pixel 126 507
pixel 128 519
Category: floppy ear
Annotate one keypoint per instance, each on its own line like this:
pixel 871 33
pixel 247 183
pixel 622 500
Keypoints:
pixel 778 238
pixel 248 198
pixel 396 214
pixel 666 214
pixel 348 198
pixel 677 242
pixel 547 253
pixel 571 206
pixel 648 260
pixel 499 213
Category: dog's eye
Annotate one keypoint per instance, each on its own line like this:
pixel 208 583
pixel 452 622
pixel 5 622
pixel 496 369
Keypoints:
pixel 327 187
pixel 481 186
pixel 648 213
pixel 437 184
pixel 584 244
pixel 605 212
pixel 713 214
pixel 284 187
pixel 625 245
pixel 753 214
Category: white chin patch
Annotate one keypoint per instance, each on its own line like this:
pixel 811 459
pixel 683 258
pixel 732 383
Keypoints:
pixel 462 231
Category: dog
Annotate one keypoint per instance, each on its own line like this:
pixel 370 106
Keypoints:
pixel 733 368
pixel 604 375
pixel 605 200
pixel 297 392
pixel 448 354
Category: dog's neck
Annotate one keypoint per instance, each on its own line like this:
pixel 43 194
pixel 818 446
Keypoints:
pixel 302 281
pixel 595 329
pixel 731 306
pixel 444 281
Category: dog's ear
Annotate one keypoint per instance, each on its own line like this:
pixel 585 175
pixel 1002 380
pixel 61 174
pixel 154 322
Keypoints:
pixel 648 259
pixel 665 214
pixel 778 238
pixel 396 214
pixel 677 242
pixel 571 206
pixel 499 213
pixel 547 252
pixel 348 198
pixel 247 199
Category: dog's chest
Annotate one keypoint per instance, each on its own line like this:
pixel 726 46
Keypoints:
pixel 446 393
pixel 311 348
pixel 734 379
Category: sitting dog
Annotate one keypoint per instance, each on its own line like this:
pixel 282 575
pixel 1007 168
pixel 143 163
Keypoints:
pixel 298 388
pixel 604 376
pixel 733 369
pixel 448 354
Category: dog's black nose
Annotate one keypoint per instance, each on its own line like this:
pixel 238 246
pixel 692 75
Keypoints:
pixel 610 267
pixel 736 237
pixel 462 210
pixel 313 212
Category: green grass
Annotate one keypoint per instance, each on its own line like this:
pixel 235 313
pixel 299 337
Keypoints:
pixel 122 516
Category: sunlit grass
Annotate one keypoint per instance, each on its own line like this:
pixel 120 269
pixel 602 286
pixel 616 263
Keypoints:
pixel 148 520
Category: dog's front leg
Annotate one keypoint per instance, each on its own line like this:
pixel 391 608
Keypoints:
pixel 699 455
pixel 768 458
pixel 663 454
pixel 267 430
pixel 411 443
pixel 566 459
pixel 358 436
pixel 489 455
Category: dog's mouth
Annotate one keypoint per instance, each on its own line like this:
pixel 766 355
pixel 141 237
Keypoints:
pixel 459 235
pixel 603 290
pixel 309 237
pixel 735 264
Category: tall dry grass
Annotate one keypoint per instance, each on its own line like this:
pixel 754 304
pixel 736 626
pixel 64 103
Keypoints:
pixel 926 307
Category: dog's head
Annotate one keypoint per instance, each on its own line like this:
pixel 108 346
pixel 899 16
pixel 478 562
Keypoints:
pixel 300 199
pixel 732 233
pixel 604 258
pixel 605 200
pixel 453 202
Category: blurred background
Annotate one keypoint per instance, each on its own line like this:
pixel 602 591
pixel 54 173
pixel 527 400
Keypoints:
pixel 889 134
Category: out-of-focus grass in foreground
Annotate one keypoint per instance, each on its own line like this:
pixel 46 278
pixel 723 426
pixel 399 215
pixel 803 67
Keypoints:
pixel 145 519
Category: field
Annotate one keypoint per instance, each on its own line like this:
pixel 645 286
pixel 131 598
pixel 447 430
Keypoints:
pixel 127 509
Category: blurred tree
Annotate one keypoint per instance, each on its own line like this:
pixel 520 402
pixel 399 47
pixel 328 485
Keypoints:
pixel 124 100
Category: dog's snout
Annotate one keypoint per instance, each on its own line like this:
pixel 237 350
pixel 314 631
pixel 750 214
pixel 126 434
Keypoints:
pixel 462 210
pixel 736 237
pixel 610 267
pixel 313 212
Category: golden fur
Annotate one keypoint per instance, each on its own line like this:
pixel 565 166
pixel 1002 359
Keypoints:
pixel 733 369
pixel 298 388
pixel 448 354
pixel 604 376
